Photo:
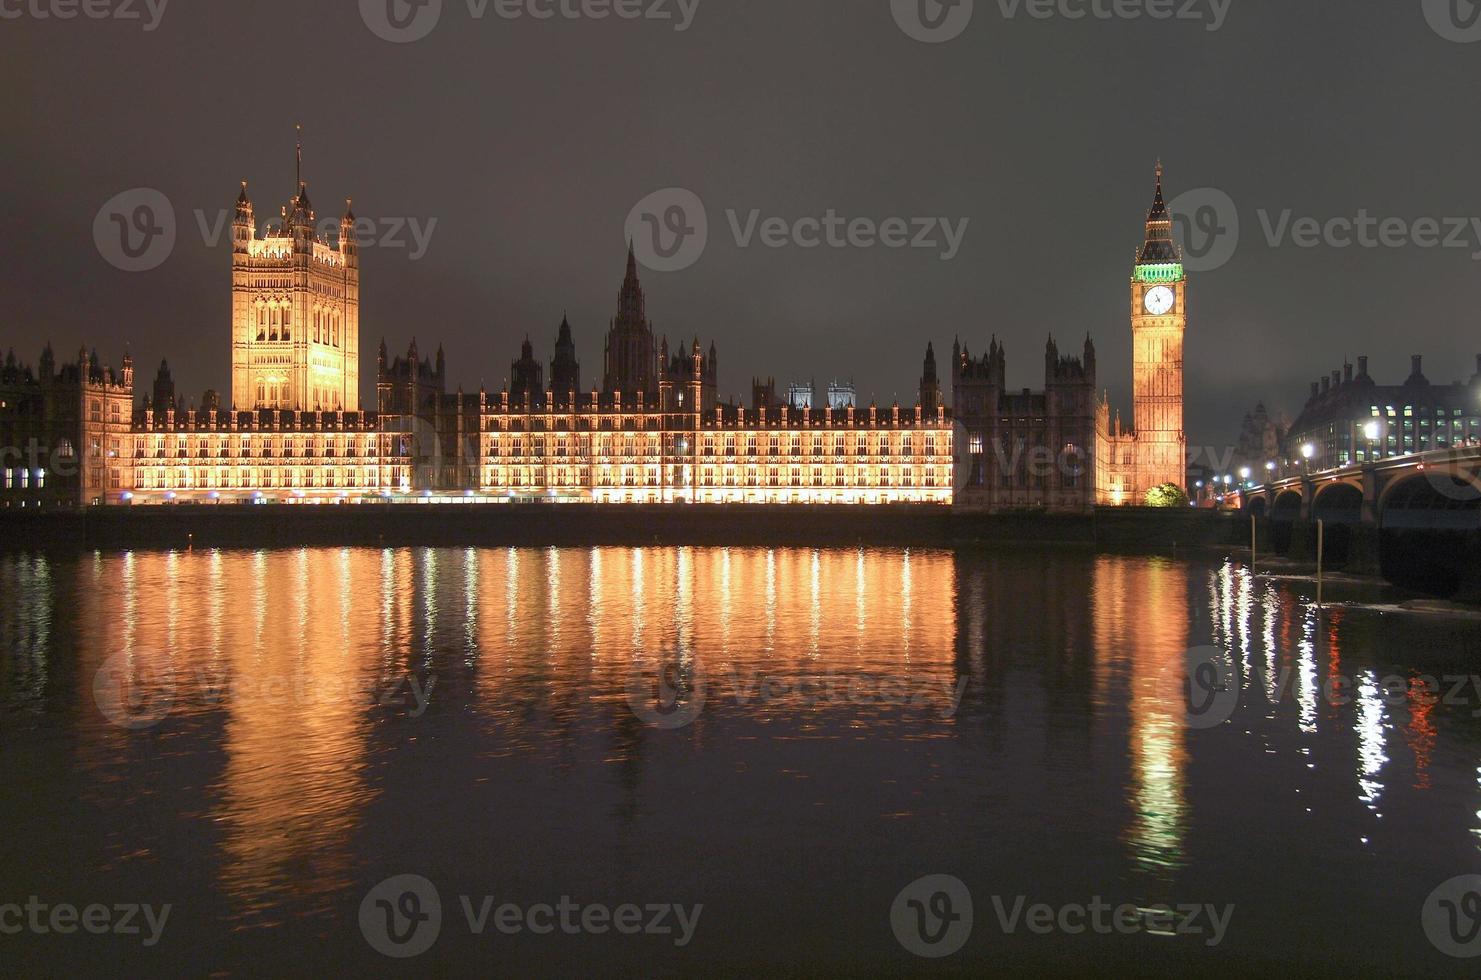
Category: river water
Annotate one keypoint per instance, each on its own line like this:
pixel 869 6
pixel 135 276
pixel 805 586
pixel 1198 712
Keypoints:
pixel 749 757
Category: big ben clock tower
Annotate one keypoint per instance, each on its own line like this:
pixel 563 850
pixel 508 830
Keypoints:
pixel 1158 317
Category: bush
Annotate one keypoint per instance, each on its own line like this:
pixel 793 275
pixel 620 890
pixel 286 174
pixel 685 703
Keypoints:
pixel 1167 495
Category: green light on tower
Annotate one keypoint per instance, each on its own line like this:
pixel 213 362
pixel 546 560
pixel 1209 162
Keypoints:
pixel 1160 272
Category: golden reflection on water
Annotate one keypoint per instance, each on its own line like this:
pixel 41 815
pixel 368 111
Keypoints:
pixel 278 662
pixel 1141 616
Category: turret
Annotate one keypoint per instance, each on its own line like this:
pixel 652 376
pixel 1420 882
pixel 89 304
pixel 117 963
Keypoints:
pixel 348 246
pixel 243 228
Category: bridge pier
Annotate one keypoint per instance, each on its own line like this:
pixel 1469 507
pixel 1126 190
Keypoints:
pixel 1303 541
pixel 1365 551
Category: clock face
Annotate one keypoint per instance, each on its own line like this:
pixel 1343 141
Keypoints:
pixel 1159 300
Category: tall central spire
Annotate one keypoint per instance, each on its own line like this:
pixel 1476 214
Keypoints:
pixel 631 305
pixel 298 161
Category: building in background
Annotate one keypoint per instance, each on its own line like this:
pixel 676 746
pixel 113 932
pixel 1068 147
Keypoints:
pixel 1026 449
pixel 1259 447
pixel 64 430
pixel 1351 419
pixel 1058 448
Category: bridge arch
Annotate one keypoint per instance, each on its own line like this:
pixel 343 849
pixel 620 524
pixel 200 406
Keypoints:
pixel 1256 505
pixel 1339 502
pixel 1288 505
pixel 1447 499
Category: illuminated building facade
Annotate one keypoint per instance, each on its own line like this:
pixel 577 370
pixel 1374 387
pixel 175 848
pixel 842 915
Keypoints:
pixel 1155 450
pixel 657 433
pixel 295 311
pixel 654 431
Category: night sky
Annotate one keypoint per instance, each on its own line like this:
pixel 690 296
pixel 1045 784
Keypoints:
pixel 530 141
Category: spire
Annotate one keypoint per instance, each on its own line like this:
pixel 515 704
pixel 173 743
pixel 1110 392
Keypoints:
pixel 631 305
pixel 1159 246
pixel 298 159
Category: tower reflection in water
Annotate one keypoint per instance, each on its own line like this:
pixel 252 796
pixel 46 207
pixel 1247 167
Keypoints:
pixel 295 681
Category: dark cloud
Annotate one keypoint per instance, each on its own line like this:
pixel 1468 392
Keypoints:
pixel 529 142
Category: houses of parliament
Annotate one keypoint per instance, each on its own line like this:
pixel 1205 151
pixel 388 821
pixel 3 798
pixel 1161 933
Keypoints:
pixel 653 430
